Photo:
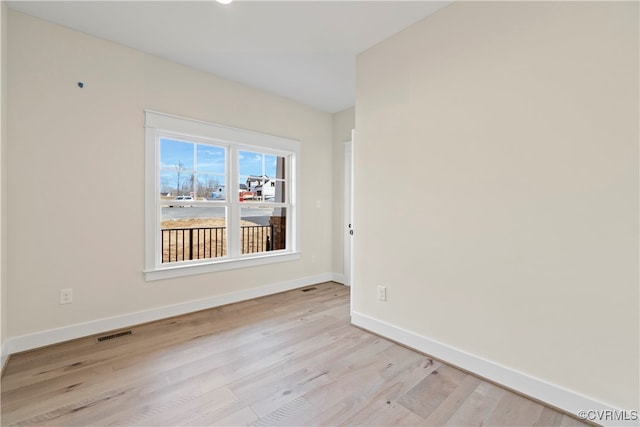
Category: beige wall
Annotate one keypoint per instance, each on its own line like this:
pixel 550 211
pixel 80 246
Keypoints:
pixel 504 137
pixel 343 124
pixel 76 175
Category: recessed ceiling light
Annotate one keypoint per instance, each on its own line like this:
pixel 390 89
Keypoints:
pixel 224 1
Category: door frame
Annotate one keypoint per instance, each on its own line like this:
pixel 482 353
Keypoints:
pixel 347 256
pixel 348 207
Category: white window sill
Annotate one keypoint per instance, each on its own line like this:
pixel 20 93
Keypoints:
pixel 188 269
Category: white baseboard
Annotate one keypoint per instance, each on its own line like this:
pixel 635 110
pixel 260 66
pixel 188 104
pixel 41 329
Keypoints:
pixel 339 278
pixel 54 336
pixel 4 355
pixel 550 394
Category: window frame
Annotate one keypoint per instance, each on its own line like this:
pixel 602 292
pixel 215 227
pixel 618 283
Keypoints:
pixel 162 125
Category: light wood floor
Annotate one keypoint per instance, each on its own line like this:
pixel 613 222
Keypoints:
pixel 287 359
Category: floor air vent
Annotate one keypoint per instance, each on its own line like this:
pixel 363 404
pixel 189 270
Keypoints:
pixel 308 289
pixel 113 336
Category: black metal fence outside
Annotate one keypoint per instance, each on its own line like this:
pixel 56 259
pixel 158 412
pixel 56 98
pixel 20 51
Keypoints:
pixel 182 244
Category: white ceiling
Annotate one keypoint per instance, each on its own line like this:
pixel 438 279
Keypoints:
pixel 301 50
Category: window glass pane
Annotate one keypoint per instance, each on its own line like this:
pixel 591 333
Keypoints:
pixel 277 192
pixel 274 166
pixel 176 167
pixel 270 165
pixel 251 163
pixel 265 190
pixel 249 186
pixel 263 175
pixel 193 232
pixel 250 169
pixel 210 172
pixel 211 159
pixel 262 229
pixel 210 187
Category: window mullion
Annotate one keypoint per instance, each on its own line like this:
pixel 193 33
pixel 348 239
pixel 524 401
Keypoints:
pixel 158 205
pixel 194 172
pixel 233 220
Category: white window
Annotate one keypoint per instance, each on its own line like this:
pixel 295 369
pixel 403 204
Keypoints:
pixel 217 197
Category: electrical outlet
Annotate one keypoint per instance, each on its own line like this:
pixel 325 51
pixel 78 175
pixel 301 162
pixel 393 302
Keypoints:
pixel 382 293
pixel 66 296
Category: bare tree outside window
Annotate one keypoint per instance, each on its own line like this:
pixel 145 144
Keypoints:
pixel 179 170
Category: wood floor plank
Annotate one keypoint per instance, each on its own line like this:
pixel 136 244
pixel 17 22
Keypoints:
pixel 477 407
pixel 380 414
pixel 441 414
pixel 410 420
pixel 375 407
pixel 170 410
pixel 549 417
pixel 514 410
pixel 243 417
pixel 438 385
pixel 286 359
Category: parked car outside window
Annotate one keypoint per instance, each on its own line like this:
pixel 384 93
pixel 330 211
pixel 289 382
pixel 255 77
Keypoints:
pixel 182 199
